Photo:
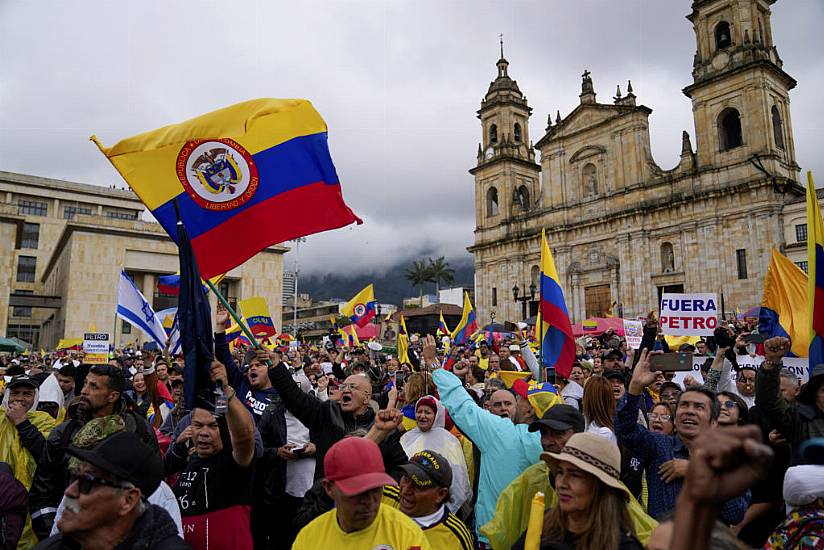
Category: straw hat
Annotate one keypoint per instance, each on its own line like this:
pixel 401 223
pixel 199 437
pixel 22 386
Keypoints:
pixel 593 454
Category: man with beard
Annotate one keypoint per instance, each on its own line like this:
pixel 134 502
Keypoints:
pixel 101 396
pixel 667 456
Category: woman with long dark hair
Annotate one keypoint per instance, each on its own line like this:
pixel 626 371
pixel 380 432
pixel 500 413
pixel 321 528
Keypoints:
pixel 598 407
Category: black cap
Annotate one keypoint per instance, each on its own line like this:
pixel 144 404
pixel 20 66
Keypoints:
pixel 125 456
pixel 560 418
pixel 612 374
pixel 686 347
pixel 22 380
pixel 614 353
pixel 428 468
pixel 672 385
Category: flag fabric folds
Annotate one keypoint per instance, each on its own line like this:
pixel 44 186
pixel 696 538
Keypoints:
pixel 168 317
pixel 133 308
pixel 557 341
pixel 362 307
pixel 784 304
pixel 258 319
pixel 354 342
pixel 244 177
pixel 467 326
pixel 403 343
pixel 170 284
pixel 815 269
pixel 195 318
pixel 442 330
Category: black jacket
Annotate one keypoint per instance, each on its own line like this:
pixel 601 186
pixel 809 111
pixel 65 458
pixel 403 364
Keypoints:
pixel 50 478
pixel 327 422
pixel 270 470
pixel 13 509
pixel 31 439
pixel 153 530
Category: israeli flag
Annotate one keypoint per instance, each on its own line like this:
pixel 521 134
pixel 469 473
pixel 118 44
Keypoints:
pixel 133 308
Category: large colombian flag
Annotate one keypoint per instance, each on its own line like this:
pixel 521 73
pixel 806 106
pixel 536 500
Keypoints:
pixel 815 271
pixel 243 177
pixel 557 342
pixel 468 324
pixel 784 304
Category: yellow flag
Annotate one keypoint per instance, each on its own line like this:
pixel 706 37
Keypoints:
pixel 536 523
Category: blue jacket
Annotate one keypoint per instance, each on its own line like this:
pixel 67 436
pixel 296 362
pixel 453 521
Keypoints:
pixel 653 449
pixel 507 449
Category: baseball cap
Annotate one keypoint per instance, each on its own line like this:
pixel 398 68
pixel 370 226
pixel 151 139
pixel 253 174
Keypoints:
pixel 22 380
pixel 355 465
pixel 669 385
pixel 428 468
pixel 514 347
pixel 612 374
pixel 686 347
pixel 125 456
pixel 561 418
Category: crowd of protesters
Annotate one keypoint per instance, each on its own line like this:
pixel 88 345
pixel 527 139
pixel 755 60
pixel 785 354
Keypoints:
pixel 324 446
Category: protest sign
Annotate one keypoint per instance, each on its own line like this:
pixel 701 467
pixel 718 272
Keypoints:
pixel 796 365
pixel 689 314
pixel 633 332
pixel 96 348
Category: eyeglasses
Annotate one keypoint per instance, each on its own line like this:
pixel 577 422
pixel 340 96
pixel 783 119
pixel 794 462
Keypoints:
pixel 729 404
pixel 661 417
pixel 87 482
pixel 351 387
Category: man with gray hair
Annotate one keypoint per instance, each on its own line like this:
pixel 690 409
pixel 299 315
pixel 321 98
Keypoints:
pixel 106 502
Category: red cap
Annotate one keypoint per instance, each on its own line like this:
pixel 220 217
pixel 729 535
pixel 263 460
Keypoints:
pixel 355 465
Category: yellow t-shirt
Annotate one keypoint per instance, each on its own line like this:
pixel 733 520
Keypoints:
pixel 391 530
pixel 450 533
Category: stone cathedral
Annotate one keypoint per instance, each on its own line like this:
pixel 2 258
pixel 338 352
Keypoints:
pixel 622 229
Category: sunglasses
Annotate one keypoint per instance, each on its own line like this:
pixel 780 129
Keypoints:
pixel 87 482
pixel 661 417
pixel 729 404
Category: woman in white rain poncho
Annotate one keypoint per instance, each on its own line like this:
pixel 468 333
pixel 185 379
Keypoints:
pixel 431 435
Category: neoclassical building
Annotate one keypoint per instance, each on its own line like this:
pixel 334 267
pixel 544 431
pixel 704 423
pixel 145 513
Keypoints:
pixel 622 229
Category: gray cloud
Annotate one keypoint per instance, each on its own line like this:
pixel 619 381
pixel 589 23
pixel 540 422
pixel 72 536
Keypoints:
pixel 398 83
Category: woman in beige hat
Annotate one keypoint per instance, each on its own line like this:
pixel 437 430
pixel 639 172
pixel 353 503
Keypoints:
pixel 592 507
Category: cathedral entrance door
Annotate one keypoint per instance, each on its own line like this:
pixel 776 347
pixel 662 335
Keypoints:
pixel 597 299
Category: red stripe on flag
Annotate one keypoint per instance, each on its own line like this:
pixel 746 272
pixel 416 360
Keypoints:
pixel 302 211
pixel 818 312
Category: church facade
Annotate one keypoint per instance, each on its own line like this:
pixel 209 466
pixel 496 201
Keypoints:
pixel 623 230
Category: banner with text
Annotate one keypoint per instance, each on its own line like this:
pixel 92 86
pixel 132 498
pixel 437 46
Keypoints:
pixel 96 348
pixel 689 314
pixel 796 365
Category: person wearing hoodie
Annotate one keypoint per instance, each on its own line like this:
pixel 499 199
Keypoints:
pixel 23 433
pixel 506 445
pixel 50 398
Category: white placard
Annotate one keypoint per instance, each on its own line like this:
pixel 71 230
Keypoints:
pixel 633 332
pixel 689 314
pixel 96 347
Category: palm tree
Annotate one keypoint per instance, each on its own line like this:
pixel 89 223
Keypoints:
pixel 439 270
pixel 419 274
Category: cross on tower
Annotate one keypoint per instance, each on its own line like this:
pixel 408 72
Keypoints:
pixel 501 36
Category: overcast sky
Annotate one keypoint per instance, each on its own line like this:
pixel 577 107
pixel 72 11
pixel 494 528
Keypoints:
pixel 397 81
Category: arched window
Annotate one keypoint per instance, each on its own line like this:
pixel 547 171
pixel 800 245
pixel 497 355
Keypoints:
pixel 492 202
pixel 729 129
pixel 589 175
pixel 723 36
pixel 517 133
pixel 535 275
pixel 667 258
pixel 522 197
pixel 778 128
pixel 493 133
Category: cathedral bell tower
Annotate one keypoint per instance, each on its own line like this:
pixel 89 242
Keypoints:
pixel 506 174
pixel 740 92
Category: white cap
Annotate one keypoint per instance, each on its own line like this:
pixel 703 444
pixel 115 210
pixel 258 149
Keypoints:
pixel 514 347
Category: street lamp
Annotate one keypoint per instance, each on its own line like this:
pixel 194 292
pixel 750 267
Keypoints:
pixel 525 298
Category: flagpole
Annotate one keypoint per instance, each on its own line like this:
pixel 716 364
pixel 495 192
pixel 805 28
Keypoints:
pixel 540 332
pixel 234 315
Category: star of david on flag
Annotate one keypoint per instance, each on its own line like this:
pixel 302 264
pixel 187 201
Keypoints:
pixel 133 308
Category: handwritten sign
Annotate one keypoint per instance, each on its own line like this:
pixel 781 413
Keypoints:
pixel 689 314
pixel 96 348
